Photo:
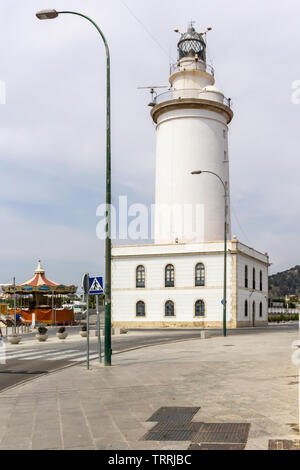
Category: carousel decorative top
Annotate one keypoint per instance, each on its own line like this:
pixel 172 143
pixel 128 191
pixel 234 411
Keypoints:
pixel 39 284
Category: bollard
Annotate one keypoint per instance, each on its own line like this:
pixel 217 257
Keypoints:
pixel 204 335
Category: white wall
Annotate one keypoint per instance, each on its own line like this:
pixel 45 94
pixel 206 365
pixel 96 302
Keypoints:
pixel 189 140
pixel 184 295
pixel 249 294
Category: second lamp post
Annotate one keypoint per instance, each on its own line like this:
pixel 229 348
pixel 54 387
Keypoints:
pixel 225 246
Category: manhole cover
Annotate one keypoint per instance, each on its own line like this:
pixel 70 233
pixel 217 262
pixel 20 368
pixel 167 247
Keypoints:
pixel 217 447
pixel 223 433
pixel 174 414
pixel 284 445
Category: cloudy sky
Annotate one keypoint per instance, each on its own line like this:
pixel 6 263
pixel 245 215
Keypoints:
pixel 52 136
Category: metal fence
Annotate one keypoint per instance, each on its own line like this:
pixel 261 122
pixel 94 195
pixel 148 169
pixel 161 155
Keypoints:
pixel 190 93
pixel 283 311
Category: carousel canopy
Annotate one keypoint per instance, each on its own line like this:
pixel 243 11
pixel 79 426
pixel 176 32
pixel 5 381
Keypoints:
pixel 39 278
pixel 40 284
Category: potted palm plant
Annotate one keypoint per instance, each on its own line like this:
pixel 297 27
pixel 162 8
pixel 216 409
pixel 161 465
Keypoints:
pixel 83 332
pixel 42 334
pixel 62 333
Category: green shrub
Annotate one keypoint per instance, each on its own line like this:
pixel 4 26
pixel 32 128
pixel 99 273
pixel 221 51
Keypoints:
pixel 42 330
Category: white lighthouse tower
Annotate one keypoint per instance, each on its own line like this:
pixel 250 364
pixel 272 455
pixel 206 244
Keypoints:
pixel 192 134
pixel 178 280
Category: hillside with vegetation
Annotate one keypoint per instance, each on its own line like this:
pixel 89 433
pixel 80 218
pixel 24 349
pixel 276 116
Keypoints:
pixel 285 283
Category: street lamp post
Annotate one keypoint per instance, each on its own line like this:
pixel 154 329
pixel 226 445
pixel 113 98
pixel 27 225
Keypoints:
pixel 225 246
pixel 50 14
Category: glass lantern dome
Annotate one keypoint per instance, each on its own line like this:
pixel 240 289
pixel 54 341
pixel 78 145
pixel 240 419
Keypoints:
pixel 191 44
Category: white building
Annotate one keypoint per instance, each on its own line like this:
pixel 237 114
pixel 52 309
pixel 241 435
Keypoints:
pixel 178 281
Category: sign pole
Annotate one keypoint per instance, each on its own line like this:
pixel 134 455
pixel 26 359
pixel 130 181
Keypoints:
pixel 99 328
pixel 87 332
pixel 86 287
pixel 92 286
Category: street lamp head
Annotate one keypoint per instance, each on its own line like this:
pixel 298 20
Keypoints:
pixel 196 173
pixel 47 14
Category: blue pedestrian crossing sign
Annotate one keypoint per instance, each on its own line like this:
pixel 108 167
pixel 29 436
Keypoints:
pixel 96 286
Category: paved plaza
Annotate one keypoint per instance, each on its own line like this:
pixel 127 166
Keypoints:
pixel 243 379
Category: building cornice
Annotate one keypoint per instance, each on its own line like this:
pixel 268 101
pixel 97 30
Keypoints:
pixel 191 103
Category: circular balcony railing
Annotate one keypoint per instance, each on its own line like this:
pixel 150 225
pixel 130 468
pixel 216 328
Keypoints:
pixel 194 94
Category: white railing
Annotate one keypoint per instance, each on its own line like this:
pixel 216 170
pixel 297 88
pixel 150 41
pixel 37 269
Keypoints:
pixel 194 94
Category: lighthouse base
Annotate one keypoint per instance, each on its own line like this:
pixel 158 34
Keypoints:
pixel 156 306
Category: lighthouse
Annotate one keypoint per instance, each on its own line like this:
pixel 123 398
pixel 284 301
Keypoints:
pixel 178 280
pixel 192 122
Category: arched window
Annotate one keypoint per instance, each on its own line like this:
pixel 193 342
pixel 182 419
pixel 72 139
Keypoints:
pixel 140 277
pixel 246 277
pixel 199 308
pixel 140 309
pixel 169 309
pixel 260 281
pixel 260 309
pixel 246 308
pixel 170 276
pixel 254 279
pixel 200 275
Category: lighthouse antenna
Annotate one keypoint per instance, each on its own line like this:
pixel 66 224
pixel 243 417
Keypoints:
pixel 152 92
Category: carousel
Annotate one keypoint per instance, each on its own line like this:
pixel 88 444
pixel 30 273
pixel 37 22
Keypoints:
pixel 42 298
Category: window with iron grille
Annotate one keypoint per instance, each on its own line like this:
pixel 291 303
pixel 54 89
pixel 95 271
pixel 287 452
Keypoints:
pixel 170 276
pixel 140 309
pixel 254 279
pixel 246 277
pixel 140 277
pixel 169 309
pixel 261 281
pixel 200 275
pixel 246 308
pixel 200 308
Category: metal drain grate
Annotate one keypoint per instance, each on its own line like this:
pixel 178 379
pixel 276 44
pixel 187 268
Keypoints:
pixel 174 414
pixel 225 433
pixel 172 432
pixel 170 435
pixel 284 445
pixel 171 426
pixel 24 372
pixel 217 447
